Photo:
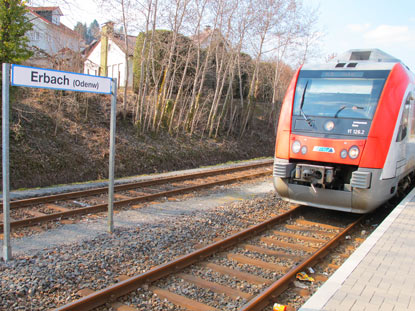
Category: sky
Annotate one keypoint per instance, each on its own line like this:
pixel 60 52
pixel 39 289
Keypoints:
pixel 360 24
pixel 353 24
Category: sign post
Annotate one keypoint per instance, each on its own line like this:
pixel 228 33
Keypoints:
pixel 57 80
pixel 112 157
pixel 7 252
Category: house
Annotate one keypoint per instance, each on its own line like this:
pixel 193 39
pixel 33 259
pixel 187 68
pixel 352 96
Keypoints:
pixel 51 41
pixel 106 56
pixel 210 39
pixel 210 36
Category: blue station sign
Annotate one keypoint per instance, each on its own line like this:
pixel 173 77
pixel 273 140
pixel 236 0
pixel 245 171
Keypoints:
pixel 59 80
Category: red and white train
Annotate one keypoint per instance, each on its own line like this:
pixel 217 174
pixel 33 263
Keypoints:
pixel 346 133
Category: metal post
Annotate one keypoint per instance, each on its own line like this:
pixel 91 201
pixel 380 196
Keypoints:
pixel 112 157
pixel 7 251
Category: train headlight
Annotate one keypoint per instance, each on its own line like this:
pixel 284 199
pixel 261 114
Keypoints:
pixel 329 125
pixel 304 149
pixel 343 154
pixel 354 152
pixel 296 146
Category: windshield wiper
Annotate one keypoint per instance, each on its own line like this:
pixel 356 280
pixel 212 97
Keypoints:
pixel 344 107
pixel 301 106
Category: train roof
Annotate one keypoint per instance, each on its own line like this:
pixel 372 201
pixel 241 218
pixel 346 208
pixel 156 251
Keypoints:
pixel 358 59
pixel 371 55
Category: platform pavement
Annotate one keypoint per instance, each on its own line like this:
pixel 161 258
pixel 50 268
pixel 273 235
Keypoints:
pixel 380 274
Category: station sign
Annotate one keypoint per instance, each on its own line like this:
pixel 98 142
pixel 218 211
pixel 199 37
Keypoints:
pixel 59 80
pixel 56 80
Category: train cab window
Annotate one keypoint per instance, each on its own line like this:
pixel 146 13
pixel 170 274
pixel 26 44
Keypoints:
pixel 339 94
pixel 403 127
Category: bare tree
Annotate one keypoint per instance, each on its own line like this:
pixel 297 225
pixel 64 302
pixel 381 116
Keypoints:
pixel 125 5
pixel 217 60
pixel 145 10
pixel 266 15
pixel 122 12
pixel 180 10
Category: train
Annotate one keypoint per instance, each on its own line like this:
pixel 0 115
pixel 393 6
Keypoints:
pixel 346 133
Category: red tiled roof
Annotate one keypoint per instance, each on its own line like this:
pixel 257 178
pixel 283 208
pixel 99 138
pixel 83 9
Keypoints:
pixel 119 40
pixel 202 36
pixel 90 48
pixel 45 8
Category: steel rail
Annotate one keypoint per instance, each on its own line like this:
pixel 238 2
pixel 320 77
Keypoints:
pixel 114 291
pixel 128 186
pixel 262 300
pixel 144 198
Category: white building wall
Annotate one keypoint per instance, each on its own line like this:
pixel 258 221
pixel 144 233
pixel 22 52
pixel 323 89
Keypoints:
pixel 116 63
pixel 50 38
pixel 91 65
pixel 37 36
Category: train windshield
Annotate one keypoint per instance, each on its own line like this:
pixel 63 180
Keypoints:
pixel 338 94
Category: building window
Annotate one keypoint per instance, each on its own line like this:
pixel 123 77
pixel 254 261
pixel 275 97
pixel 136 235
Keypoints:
pixel 34 35
pixel 55 20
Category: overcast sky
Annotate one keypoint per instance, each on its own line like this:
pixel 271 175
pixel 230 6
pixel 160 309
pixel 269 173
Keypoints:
pixel 353 24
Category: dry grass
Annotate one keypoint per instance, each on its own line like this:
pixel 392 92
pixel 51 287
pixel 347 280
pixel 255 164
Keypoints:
pixel 61 137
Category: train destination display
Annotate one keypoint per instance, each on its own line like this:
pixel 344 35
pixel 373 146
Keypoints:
pixel 60 80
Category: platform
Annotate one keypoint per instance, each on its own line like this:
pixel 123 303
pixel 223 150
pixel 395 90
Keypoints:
pixel 380 274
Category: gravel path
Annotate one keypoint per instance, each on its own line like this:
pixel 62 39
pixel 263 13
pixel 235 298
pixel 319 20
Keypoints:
pixel 51 267
pixel 29 193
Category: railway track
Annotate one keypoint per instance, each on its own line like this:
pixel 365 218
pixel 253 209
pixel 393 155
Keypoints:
pixel 254 266
pixel 32 211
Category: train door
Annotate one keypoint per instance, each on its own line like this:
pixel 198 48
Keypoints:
pixel 402 137
pixel 410 148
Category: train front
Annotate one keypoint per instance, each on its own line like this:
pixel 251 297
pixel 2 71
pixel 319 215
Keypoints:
pixel 334 134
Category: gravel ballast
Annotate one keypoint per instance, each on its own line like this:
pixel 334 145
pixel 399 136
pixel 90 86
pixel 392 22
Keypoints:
pixel 50 268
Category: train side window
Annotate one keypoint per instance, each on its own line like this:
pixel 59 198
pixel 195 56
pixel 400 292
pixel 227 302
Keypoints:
pixel 403 127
